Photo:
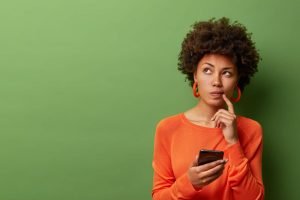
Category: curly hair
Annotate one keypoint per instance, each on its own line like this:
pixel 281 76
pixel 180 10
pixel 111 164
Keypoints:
pixel 219 37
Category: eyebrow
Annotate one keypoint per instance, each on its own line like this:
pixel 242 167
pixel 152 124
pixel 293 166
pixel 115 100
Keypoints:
pixel 214 66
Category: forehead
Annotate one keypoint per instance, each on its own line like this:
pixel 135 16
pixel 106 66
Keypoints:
pixel 217 60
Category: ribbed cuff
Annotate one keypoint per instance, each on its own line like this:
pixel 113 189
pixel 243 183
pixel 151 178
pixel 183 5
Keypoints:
pixel 235 154
pixel 185 187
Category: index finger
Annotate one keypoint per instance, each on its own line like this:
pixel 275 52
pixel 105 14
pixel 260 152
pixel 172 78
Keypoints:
pixel 210 165
pixel 229 104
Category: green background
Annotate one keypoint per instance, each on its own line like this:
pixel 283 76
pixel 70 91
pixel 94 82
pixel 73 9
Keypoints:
pixel 83 84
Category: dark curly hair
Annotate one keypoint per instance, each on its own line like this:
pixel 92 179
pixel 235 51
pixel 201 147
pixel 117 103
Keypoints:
pixel 219 37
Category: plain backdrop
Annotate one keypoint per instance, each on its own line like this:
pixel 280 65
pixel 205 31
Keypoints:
pixel 83 84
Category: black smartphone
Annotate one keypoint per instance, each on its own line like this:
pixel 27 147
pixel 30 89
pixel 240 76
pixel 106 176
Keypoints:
pixel 207 156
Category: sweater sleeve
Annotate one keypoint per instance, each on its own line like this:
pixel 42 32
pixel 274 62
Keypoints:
pixel 245 176
pixel 165 185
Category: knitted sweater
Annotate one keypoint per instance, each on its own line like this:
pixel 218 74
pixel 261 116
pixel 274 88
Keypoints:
pixel 178 141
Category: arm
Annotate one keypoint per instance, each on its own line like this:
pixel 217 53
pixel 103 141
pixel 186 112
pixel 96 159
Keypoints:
pixel 244 173
pixel 165 185
pixel 245 176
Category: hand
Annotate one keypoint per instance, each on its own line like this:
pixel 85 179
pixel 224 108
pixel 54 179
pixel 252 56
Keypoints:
pixel 226 119
pixel 203 175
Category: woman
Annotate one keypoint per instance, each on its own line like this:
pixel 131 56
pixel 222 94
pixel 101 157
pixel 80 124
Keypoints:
pixel 218 58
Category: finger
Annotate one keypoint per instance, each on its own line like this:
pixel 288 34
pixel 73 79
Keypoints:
pixel 224 115
pixel 210 165
pixel 213 171
pixel 195 161
pixel 208 180
pixel 223 111
pixel 213 177
pixel 213 117
pixel 228 121
pixel 220 124
pixel 222 120
pixel 229 104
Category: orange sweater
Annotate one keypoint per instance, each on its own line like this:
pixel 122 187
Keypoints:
pixel 178 141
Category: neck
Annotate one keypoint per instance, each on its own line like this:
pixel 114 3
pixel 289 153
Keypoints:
pixel 204 111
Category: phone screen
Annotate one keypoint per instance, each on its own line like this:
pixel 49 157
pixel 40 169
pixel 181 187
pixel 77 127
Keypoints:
pixel 207 156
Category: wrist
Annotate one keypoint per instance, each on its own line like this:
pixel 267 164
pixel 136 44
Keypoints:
pixel 232 141
pixel 193 182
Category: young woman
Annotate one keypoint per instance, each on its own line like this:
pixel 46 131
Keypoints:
pixel 218 58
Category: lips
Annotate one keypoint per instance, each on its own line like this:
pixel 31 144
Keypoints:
pixel 217 94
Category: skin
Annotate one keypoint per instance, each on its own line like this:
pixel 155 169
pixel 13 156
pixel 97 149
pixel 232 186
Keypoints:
pixel 214 73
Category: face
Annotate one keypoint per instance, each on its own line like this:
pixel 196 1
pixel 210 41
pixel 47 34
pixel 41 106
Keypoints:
pixel 216 74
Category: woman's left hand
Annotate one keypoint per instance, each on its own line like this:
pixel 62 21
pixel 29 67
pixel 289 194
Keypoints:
pixel 226 119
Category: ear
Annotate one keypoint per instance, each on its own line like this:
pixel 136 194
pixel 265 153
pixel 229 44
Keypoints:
pixel 238 80
pixel 195 76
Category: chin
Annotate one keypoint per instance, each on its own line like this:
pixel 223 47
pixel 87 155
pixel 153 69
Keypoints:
pixel 215 103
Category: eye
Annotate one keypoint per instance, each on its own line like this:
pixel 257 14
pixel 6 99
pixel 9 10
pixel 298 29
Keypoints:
pixel 207 70
pixel 227 73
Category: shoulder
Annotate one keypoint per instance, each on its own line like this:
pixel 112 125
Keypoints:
pixel 249 128
pixel 246 122
pixel 168 125
pixel 169 122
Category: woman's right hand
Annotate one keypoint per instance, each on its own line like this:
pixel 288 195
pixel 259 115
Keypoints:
pixel 202 175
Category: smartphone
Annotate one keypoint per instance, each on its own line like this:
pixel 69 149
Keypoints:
pixel 207 156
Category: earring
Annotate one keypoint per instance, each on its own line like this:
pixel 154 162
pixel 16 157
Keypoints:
pixel 238 97
pixel 195 90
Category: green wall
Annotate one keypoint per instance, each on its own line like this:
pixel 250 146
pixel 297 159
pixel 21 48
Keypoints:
pixel 84 82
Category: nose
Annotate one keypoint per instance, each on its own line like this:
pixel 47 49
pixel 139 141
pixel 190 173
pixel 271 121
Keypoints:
pixel 217 81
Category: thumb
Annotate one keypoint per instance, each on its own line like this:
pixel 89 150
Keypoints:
pixel 195 162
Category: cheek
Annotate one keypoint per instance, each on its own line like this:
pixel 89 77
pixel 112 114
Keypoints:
pixel 203 79
pixel 230 87
pixel 203 85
